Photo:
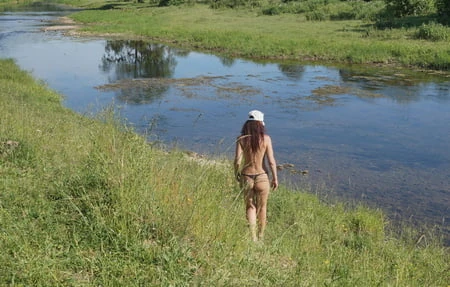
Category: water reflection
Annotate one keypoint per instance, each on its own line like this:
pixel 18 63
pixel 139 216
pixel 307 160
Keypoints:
pixel 371 134
pixel 292 71
pixel 227 62
pixel 138 59
pixel 129 59
pixel 401 85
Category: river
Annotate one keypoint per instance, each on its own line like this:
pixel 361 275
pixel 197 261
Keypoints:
pixel 359 134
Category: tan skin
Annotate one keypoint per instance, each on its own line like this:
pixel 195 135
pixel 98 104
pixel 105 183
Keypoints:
pixel 256 189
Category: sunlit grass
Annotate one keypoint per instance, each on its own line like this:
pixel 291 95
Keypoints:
pixel 87 202
pixel 247 34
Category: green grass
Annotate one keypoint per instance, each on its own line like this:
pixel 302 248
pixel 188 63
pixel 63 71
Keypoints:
pixel 248 34
pixel 85 201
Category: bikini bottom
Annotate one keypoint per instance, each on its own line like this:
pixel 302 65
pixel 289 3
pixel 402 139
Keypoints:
pixel 253 176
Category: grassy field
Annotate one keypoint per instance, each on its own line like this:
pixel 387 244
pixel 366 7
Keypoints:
pixel 84 201
pixel 246 33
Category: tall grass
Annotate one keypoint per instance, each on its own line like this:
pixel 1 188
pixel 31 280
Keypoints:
pixel 84 201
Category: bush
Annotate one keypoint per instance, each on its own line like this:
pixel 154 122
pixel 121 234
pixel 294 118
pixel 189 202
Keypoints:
pixel 331 10
pixel 443 9
pixel 432 31
pixel 235 3
pixel 165 3
pixel 316 16
pixel 401 8
pixel 356 10
pixel 272 10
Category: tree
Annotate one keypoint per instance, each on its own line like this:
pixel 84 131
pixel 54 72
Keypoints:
pixel 401 8
pixel 443 8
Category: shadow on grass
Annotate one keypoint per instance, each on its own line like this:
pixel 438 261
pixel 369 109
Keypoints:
pixel 110 6
pixel 121 5
pixel 386 22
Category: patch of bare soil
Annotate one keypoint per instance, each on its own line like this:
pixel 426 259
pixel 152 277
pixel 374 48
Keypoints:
pixel 62 24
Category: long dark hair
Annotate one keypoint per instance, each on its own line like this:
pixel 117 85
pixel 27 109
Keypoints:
pixel 252 135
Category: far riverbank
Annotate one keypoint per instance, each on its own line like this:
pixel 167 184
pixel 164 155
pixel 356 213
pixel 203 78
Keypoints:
pixel 248 35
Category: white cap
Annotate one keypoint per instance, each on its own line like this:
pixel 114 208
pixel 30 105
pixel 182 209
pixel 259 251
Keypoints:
pixel 256 115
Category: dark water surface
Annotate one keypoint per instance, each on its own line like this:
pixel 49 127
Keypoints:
pixel 380 136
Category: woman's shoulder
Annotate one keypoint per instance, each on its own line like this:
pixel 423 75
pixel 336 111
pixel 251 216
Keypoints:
pixel 267 140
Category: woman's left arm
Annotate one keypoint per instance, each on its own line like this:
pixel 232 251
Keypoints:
pixel 272 162
pixel 237 159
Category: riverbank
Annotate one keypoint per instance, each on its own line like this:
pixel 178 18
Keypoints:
pixel 247 34
pixel 64 24
pixel 86 201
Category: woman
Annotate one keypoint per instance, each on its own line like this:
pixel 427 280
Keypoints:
pixel 253 151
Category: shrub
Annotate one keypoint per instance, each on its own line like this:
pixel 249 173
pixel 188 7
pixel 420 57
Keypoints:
pixel 316 16
pixel 401 8
pixel 164 3
pixel 356 10
pixel 443 9
pixel 272 10
pixel 432 31
pixel 235 3
pixel 322 10
pixel 289 8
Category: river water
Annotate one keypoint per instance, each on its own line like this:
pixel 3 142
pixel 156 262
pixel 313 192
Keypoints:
pixel 359 134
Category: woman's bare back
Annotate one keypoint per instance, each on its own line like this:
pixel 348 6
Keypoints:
pixel 254 161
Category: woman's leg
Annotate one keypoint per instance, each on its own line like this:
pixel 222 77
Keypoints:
pixel 262 189
pixel 250 207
